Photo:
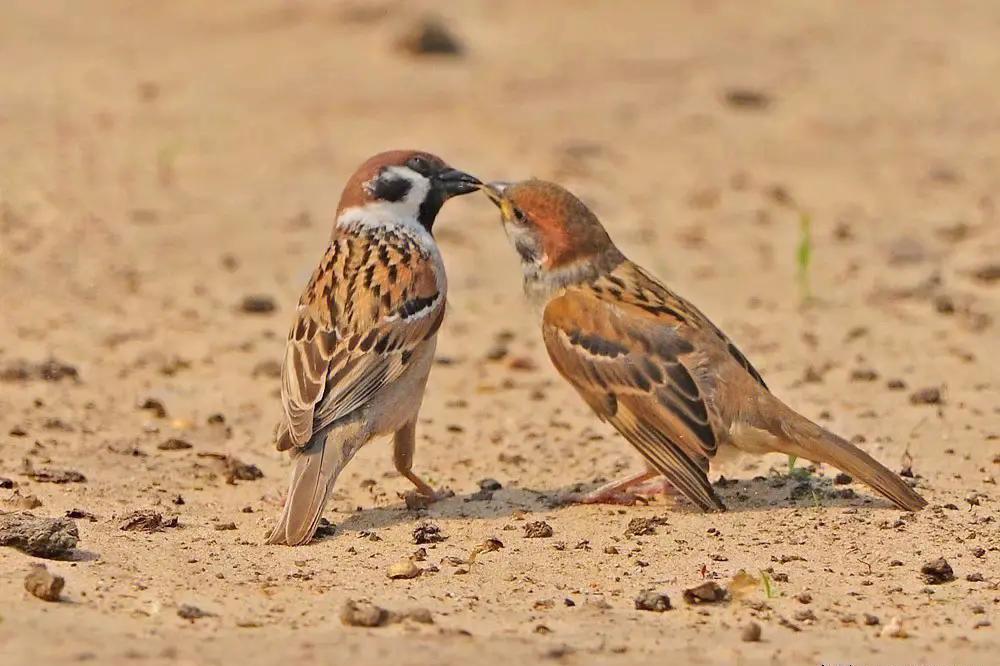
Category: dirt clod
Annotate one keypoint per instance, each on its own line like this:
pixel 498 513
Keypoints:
pixel 747 98
pixel 647 600
pixel 257 304
pixel 936 572
pixel 50 370
pixel 40 537
pixel 538 529
pixel 43 584
pixel 926 396
pixel 53 475
pixel 707 592
pixel 146 520
pixel 427 533
pixel 362 614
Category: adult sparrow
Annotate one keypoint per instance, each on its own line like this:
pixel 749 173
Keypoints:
pixel 650 363
pixel 361 345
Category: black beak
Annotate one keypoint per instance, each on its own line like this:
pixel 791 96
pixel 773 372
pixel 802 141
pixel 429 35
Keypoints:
pixel 453 182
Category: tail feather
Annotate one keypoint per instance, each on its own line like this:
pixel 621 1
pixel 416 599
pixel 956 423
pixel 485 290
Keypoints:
pixel 317 467
pixel 805 439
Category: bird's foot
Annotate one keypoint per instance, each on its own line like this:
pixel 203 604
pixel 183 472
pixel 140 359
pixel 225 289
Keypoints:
pixel 600 496
pixel 416 499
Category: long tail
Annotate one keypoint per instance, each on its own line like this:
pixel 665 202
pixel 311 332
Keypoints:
pixel 317 466
pixel 803 438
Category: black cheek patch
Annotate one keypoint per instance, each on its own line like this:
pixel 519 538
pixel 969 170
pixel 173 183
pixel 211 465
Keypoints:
pixel 390 188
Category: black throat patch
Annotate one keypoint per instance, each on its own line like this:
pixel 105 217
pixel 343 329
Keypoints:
pixel 430 208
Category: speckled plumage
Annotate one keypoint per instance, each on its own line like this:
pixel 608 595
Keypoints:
pixel 649 362
pixel 362 342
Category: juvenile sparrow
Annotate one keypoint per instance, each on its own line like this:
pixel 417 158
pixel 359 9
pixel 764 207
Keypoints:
pixel 361 346
pixel 650 363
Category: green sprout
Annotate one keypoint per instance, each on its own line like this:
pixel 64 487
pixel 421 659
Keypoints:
pixel 765 580
pixel 803 255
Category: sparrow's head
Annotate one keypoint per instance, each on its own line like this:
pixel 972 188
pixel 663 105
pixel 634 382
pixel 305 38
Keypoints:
pixel 549 227
pixel 404 184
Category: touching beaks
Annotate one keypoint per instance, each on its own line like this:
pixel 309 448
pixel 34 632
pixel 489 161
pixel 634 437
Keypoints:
pixel 454 182
pixel 494 191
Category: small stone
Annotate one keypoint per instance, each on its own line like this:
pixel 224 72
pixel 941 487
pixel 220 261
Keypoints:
pixel 192 613
pixel 937 572
pixel 362 614
pixel 222 527
pixel 430 37
pixel 864 375
pixel 843 479
pixel 926 396
pixel 648 600
pixel 707 592
pixel 871 620
pixel 804 598
pixel 174 444
pixel 155 406
pixel 491 485
pixel 44 585
pixel 895 385
pixel 747 98
pixel 404 569
pixel 894 629
pixel 804 616
pixel 975 577
pixel 324 530
pixel 538 529
pixel 750 633
pixel 257 304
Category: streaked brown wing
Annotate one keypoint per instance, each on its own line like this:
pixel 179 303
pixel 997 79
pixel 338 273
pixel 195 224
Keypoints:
pixel 629 365
pixel 369 305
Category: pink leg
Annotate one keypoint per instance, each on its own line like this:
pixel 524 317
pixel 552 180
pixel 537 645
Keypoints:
pixel 615 492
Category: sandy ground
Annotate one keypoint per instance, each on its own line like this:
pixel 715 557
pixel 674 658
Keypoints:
pixel 161 161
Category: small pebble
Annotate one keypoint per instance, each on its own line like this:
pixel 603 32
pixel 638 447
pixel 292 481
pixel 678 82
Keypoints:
pixel 750 633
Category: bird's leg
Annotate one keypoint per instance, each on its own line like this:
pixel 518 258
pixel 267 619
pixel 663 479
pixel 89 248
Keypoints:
pixel 616 492
pixel 404 443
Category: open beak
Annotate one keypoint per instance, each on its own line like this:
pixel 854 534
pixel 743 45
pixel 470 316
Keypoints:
pixel 454 182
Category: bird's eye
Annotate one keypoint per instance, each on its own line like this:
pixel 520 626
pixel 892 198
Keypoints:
pixel 419 164
pixel 520 216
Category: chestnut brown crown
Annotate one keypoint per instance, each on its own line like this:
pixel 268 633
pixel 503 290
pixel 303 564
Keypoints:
pixel 414 177
pixel 562 225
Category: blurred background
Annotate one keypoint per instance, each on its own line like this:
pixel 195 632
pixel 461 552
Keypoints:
pixel 820 178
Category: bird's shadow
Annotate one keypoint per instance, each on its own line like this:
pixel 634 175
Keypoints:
pixel 740 496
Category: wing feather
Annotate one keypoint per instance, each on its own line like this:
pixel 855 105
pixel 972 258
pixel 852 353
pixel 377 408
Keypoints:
pixel 632 366
pixel 369 306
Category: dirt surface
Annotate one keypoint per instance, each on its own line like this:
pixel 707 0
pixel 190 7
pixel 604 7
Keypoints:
pixel 168 172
